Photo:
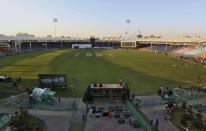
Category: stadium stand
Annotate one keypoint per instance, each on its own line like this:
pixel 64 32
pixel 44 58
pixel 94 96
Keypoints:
pixel 2 54
pixel 107 45
pixel 143 45
pixel 196 51
pixel 182 50
pixel 172 47
pixel 53 45
pixel 42 45
pixel 159 48
pixel 34 46
pixel 200 55
pixel 2 50
pixel 25 46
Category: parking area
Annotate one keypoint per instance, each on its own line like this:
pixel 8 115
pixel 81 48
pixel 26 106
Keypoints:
pixel 108 117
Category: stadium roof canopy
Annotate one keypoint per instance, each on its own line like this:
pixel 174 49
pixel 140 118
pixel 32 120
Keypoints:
pixel 120 38
pixel 41 38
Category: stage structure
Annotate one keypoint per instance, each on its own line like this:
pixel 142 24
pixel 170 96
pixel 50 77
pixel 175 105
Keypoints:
pixel 106 91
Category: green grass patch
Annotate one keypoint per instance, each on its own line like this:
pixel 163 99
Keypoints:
pixel 176 117
pixel 145 71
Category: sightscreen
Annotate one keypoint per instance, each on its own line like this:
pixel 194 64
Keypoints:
pixel 52 80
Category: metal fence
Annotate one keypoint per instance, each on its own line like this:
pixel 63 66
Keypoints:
pixel 145 101
pixel 60 104
pixel 182 94
pixel 13 103
pixel 144 124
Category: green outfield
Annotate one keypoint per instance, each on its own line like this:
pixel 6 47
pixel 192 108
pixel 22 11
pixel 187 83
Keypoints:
pixel 144 70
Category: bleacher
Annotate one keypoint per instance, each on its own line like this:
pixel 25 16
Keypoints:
pixel 53 45
pixel 139 46
pixel 196 51
pixel 34 46
pixel 2 54
pixel 200 55
pixel 2 50
pixel 25 46
pixel 159 48
pixel 172 47
pixel 182 50
pixel 107 45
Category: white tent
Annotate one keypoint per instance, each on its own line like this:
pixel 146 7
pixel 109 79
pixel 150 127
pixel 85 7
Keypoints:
pixel 37 93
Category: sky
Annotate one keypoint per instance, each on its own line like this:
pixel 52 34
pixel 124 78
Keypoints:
pixel 83 18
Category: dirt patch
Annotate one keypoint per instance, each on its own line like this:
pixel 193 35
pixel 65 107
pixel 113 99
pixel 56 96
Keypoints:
pixel 89 54
pixel 110 54
pixel 98 54
pixel 77 54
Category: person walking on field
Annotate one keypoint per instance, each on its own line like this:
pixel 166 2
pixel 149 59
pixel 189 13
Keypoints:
pixel 120 81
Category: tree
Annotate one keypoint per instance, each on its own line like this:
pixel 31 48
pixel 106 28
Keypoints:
pixel 184 105
pixel 183 122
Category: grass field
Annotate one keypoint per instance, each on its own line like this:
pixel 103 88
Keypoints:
pixel 145 70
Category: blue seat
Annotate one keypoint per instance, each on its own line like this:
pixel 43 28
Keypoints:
pixel 196 51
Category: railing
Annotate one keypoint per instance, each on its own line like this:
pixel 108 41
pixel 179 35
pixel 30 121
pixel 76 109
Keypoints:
pixel 13 103
pixel 196 51
pixel 145 125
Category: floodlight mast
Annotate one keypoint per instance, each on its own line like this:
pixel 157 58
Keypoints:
pixel 128 21
pixel 55 20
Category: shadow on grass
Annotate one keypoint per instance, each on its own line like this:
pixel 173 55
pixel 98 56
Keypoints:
pixel 100 69
pixel 10 60
pixel 87 70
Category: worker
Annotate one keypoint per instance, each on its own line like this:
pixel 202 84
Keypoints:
pixel 110 115
pixel 120 81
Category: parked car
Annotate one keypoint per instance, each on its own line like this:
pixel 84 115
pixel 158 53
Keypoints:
pixel 105 112
pixel 126 113
pixel 116 114
pixel 121 120
pixel 101 109
pixel 117 108
pixel 134 122
pixel 97 113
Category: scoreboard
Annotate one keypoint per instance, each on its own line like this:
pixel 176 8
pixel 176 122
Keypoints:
pixel 52 80
pixel 128 44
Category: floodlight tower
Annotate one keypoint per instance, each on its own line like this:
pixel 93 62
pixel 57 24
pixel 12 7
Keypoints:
pixel 55 20
pixel 128 21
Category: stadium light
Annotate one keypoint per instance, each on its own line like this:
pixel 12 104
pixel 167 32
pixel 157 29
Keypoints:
pixel 55 20
pixel 128 21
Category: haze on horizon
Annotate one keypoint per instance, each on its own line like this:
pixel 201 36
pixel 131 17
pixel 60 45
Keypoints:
pixel 169 18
